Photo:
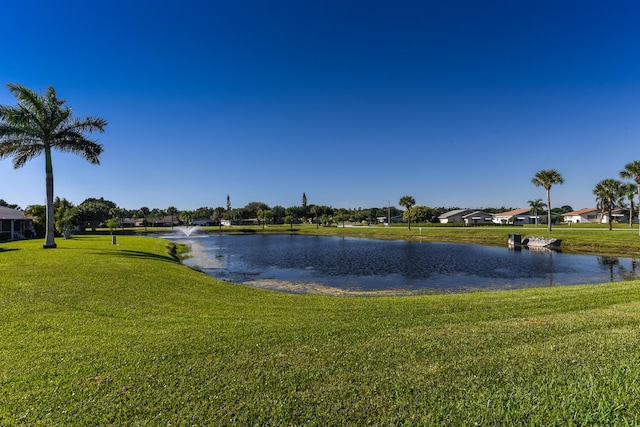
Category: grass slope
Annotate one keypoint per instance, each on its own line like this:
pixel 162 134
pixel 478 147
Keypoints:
pixel 96 334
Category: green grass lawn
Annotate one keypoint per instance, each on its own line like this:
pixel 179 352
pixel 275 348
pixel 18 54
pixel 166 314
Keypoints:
pixel 97 334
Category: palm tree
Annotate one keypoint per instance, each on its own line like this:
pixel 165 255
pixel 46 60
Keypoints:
pixel 536 206
pixel 186 217
pixel 144 211
pixel 262 216
pixel 315 210
pixel 632 171
pixel 407 202
pixel 547 178
pixel 607 193
pixel 173 211
pixel 40 124
pixel 628 191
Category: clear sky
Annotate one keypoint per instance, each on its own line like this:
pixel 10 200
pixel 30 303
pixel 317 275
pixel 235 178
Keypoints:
pixel 355 103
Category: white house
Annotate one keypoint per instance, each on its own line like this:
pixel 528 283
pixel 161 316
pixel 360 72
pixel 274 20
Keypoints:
pixel 592 215
pixel 516 217
pixel 586 215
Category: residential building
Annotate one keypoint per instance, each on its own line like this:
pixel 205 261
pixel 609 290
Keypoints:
pixel 519 216
pixel 14 225
pixel 593 215
pixel 477 217
pixel 586 215
pixel 453 216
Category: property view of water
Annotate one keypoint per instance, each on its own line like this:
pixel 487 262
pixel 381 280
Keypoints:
pixel 296 263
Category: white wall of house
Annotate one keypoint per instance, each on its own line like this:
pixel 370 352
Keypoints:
pixel 590 217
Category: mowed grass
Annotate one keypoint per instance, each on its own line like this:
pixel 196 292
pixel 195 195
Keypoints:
pixel 97 334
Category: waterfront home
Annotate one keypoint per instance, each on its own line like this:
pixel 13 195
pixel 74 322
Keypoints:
pixel 519 216
pixel 592 215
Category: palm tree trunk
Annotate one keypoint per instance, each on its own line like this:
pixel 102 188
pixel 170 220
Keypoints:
pixel 549 208
pixel 609 213
pixel 49 241
pixel 638 182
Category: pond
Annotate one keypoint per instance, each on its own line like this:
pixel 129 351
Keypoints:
pixel 321 264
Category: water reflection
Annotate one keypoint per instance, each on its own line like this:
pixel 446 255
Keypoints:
pixel 364 264
pixel 618 270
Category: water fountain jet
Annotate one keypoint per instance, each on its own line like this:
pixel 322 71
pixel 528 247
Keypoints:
pixel 186 231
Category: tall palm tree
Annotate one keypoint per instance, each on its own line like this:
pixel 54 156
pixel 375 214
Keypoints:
pixel 632 171
pixel 547 178
pixel 407 202
pixel 628 191
pixel 40 124
pixel 607 192
pixel 536 206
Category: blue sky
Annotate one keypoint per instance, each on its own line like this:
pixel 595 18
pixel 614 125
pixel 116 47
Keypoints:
pixel 355 103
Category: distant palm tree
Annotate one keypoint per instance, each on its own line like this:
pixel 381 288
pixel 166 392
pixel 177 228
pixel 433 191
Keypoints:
pixel 607 192
pixel 173 211
pixel 144 211
pixel 264 215
pixel 315 210
pixel 407 202
pixel 536 206
pixel 547 178
pixel 40 124
pixel 632 171
pixel 628 191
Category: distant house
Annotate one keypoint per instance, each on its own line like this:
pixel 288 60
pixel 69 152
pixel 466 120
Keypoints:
pixel 384 219
pixel 250 221
pixel 477 217
pixel 517 217
pixel 586 215
pixel 126 223
pixel 204 222
pixel 592 215
pixel 466 216
pixel 165 221
pixel 14 225
pixel 453 216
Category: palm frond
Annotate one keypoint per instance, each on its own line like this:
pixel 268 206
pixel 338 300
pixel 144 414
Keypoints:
pixel 22 156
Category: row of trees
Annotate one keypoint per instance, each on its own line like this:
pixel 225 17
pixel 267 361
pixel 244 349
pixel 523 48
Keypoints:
pixel 94 212
pixel 610 193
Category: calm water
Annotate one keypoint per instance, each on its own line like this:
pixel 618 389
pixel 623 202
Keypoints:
pixel 375 265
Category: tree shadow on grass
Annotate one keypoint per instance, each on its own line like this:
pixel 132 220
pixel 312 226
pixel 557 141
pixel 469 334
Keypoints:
pixel 8 250
pixel 136 254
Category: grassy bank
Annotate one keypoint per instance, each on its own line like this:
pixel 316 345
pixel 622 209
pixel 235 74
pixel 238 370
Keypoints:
pixel 96 334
